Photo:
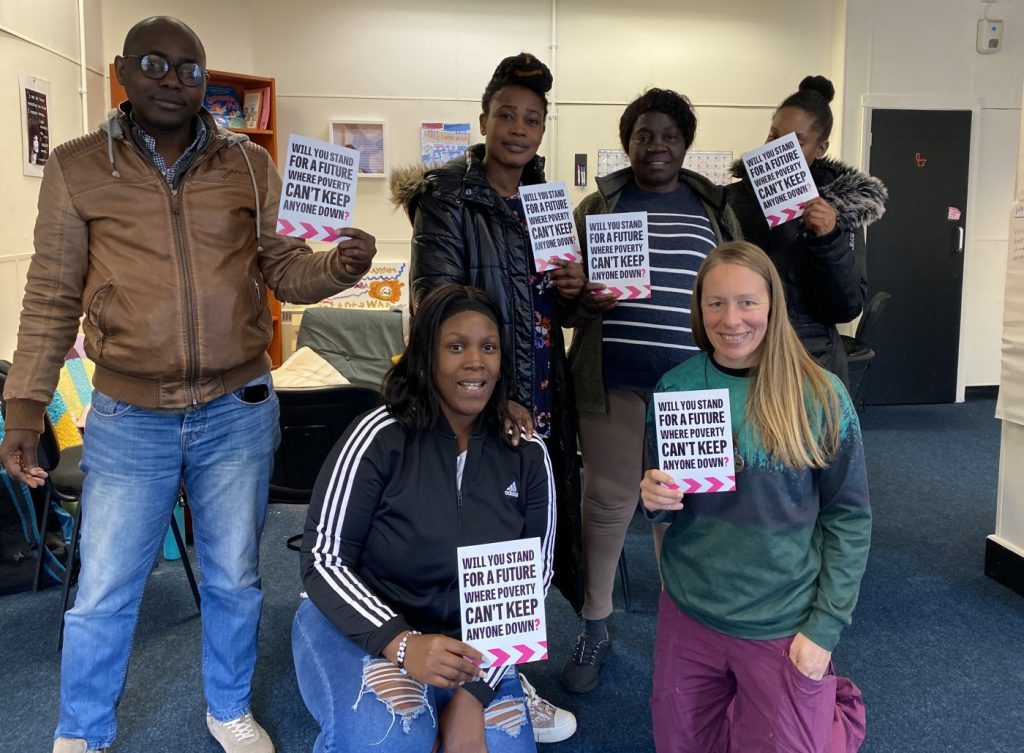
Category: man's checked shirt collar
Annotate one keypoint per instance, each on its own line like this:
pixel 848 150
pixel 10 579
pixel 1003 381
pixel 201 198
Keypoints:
pixel 170 173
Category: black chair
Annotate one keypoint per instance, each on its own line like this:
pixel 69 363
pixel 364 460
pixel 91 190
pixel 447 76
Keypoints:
pixel 312 421
pixel 26 502
pixel 859 352
pixel 64 484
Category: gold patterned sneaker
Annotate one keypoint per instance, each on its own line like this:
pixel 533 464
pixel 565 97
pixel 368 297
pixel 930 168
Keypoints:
pixel 550 723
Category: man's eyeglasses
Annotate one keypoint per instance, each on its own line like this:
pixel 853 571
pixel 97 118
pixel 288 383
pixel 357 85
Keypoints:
pixel 156 67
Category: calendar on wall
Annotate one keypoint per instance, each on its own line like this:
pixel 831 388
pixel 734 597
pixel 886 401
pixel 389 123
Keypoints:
pixel 610 160
pixel 712 165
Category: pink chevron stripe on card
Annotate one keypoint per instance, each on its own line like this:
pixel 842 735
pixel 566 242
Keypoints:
pixel 790 214
pixel 708 484
pixel 520 653
pixel 543 265
pixel 525 652
pixel 692 485
pixel 630 292
pixel 500 657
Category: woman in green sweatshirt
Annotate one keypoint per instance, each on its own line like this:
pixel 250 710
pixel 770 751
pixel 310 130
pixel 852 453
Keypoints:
pixel 760 581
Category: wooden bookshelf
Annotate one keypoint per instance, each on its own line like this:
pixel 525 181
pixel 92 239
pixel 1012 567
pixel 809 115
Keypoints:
pixel 265 137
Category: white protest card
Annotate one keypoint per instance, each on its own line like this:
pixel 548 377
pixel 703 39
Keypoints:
pixel 618 254
pixel 694 434
pixel 319 192
pixel 781 179
pixel 549 221
pixel 501 594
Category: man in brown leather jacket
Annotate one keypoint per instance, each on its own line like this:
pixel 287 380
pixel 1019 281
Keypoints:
pixel 160 228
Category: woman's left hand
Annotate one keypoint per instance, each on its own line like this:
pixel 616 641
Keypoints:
pixel 659 492
pixel 519 420
pixel 808 657
pixel 568 278
pixel 598 298
pixel 819 217
pixel 462 724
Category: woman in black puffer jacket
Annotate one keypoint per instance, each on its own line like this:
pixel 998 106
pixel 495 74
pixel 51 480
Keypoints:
pixel 821 257
pixel 469 228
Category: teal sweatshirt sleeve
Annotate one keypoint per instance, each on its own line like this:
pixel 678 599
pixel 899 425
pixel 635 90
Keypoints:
pixel 844 524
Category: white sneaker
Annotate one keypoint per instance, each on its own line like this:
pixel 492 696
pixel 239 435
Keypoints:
pixel 550 723
pixel 241 735
pixel 72 745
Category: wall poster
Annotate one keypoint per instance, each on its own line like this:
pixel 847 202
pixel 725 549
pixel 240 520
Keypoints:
pixel 369 138
pixel 441 142
pixel 35 123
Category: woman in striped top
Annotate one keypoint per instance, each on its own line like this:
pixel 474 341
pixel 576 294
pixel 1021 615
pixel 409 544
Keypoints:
pixel 621 349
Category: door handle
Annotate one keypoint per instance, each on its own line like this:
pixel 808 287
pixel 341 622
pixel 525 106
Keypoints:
pixel 959 249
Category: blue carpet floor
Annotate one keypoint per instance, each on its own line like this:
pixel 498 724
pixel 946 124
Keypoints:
pixel 935 646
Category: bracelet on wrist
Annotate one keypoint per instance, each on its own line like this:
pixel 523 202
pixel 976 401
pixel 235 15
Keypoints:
pixel 400 656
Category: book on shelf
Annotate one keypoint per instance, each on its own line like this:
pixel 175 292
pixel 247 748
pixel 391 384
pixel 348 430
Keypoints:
pixel 224 106
pixel 264 121
pixel 251 107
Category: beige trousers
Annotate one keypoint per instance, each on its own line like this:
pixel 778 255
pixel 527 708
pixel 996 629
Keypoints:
pixel 612 445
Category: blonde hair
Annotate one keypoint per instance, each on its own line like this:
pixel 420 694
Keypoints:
pixel 786 384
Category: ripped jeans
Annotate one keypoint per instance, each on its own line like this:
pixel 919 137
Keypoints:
pixel 363 703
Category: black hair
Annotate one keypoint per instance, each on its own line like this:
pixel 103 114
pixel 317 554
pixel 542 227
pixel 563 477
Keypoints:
pixel 670 102
pixel 519 70
pixel 409 390
pixel 131 38
pixel 812 97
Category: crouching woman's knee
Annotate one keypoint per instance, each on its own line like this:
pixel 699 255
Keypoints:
pixel 357 700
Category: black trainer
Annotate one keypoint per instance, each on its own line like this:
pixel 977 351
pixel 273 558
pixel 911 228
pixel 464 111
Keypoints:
pixel 582 672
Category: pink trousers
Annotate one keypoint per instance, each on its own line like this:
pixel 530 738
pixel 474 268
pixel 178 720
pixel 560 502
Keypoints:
pixel 714 693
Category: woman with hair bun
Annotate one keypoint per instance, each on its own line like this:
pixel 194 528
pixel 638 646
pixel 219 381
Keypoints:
pixel 469 227
pixel 822 256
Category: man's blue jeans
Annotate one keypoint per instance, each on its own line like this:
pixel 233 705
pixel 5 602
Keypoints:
pixel 134 461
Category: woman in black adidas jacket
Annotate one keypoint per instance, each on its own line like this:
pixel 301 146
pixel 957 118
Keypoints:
pixel 822 256
pixel 406 486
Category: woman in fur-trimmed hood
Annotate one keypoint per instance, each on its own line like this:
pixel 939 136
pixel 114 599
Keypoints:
pixel 822 256
pixel 469 227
